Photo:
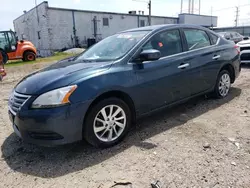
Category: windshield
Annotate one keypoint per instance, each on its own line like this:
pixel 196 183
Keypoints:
pixel 113 47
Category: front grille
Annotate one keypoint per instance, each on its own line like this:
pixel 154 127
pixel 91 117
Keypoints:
pixel 45 136
pixel 16 101
pixel 244 48
pixel 245 57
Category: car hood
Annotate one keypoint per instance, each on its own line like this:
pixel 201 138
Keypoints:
pixel 59 75
pixel 244 42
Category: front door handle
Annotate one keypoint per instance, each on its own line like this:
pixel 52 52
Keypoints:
pixel 216 57
pixel 183 66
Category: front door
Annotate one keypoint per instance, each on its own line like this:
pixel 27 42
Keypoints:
pixel 4 42
pixel 163 81
pixel 13 52
pixel 12 41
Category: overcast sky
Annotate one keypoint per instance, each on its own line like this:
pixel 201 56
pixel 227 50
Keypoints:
pixel 224 9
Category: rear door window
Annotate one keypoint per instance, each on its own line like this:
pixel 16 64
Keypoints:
pixel 196 38
pixel 234 35
pixel 228 36
pixel 238 35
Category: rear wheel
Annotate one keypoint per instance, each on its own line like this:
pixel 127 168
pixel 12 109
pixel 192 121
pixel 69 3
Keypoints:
pixel 29 56
pixel 223 84
pixel 107 123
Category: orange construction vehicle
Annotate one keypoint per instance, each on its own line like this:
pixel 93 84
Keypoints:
pixel 12 49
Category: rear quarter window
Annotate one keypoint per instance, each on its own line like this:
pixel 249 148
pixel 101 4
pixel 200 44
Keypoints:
pixel 214 38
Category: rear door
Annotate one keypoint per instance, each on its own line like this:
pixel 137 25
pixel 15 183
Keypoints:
pixel 166 80
pixel 204 59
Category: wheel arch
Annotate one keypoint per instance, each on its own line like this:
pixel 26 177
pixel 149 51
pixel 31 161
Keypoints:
pixel 28 50
pixel 117 94
pixel 231 71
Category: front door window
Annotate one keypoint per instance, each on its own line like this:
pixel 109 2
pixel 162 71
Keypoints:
pixel 12 40
pixel 167 42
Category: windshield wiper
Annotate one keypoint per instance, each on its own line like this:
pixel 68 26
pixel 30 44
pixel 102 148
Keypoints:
pixel 87 61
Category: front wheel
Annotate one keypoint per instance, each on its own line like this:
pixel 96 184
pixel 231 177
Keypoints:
pixel 107 123
pixel 223 84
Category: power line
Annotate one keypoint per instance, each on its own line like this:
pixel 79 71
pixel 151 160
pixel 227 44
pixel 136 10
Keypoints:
pixel 227 8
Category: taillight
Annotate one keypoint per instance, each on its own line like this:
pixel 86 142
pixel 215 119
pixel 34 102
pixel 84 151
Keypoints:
pixel 237 48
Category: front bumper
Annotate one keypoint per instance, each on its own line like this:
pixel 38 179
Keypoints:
pixel 48 127
pixel 245 56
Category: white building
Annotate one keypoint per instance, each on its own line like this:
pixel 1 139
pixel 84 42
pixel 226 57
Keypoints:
pixel 50 28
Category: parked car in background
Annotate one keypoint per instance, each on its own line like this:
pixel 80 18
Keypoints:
pixel 98 95
pixel 244 47
pixel 233 36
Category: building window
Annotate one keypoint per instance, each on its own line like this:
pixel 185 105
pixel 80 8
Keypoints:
pixel 38 34
pixel 105 22
pixel 142 23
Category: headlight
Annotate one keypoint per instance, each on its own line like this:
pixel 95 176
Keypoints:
pixel 54 98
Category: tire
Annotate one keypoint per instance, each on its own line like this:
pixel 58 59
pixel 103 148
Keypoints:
pixel 5 57
pixel 223 84
pixel 29 56
pixel 98 132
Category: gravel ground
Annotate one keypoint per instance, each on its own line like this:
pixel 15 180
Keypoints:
pixel 202 143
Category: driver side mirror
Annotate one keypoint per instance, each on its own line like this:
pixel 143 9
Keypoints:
pixel 150 55
pixel 245 38
pixel 228 38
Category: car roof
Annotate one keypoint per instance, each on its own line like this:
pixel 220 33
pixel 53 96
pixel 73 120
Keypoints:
pixel 224 32
pixel 161 27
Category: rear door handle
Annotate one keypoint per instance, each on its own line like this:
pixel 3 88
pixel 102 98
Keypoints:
pixel 183 66
pixel 216 57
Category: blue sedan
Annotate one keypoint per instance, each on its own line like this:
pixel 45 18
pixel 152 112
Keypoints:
pixel 98 95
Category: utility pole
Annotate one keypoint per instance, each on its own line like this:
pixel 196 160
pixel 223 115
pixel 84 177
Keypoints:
pixel 192 6
pixel 237 16
pixel 149 16
pixel 199 7
pixel 212 18
pixel 189 6
pixel 149 8
pixel 37 16
pixel 181 5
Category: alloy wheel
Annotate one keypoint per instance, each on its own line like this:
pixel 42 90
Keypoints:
pixel 109 123
pixel 224 84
